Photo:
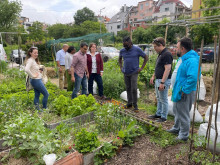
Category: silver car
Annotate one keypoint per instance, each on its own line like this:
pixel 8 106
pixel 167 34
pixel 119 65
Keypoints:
pixel 108 53
pixel 15 56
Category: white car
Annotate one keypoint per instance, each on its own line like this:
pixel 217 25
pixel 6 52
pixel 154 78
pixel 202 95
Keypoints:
pixel 3 56
pixel 108 53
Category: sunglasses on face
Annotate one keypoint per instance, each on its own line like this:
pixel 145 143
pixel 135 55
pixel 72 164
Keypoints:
pixel 157 41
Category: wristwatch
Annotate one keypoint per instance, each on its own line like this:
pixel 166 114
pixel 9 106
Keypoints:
pixel 162 82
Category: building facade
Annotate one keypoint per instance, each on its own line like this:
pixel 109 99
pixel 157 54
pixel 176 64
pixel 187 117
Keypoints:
pixel 164 8
pixel 119 21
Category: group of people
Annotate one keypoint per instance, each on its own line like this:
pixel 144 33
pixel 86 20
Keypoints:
pixel 76 68
pixel 183 80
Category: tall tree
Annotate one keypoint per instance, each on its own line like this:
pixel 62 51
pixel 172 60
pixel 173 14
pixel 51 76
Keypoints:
pixel 206 31
pixel 57 30
pixel 36 32
pixel 9 13
pixel 84 14
pixel 121 34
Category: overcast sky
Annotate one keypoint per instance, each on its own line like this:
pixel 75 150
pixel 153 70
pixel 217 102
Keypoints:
pixel 62 11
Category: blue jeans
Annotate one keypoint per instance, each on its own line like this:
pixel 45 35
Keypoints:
pixel 39 88
pixel 98 79
pixel 78 82
pixel 162 98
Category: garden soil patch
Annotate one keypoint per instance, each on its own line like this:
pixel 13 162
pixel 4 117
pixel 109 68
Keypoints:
pixel 144 152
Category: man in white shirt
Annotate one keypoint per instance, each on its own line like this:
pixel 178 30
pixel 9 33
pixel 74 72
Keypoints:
pixel 60 59
pixel 68 61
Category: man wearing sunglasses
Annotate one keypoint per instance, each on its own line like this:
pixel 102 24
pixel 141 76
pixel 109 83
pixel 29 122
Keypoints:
pixel 162 77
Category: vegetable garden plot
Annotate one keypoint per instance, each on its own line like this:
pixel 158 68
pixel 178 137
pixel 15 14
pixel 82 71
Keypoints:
pixel 66 110
pixel 108 126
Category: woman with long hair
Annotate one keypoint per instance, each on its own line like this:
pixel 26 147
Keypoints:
pixel 95 69
pixel 34 71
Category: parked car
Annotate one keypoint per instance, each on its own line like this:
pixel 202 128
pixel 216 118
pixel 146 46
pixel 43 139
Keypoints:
pixel 3 55
pixel 108 53
pixel 208 53
pixel 147 48
pixel 15 56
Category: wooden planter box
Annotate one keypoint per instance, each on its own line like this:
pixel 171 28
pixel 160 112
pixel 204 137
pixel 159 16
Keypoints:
pixel 82 118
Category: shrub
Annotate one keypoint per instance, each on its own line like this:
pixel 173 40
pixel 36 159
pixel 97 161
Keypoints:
pixel 113 80
pixel 3 66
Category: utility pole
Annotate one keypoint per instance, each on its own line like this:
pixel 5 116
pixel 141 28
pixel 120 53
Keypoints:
pixel 100 19
pixel 131 23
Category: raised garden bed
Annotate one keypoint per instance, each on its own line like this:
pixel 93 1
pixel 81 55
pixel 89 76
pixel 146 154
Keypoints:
pixel 78 119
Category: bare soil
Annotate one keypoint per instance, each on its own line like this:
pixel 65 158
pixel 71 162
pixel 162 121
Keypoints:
pixel 144 152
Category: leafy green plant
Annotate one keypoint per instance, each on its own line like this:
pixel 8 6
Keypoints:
pixel 106 152
pixel 204 158
pixel 113 79
pixel 146 74
pixel 3 66
pixel 67 108
pixel 86 141
pixel 133 130
pixel 117 141
pixel 109 120
pixel 29 138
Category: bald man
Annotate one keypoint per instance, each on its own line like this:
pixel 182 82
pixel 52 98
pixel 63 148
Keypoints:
pixel 60 59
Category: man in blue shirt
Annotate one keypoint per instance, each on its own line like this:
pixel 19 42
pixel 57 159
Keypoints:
pixel 130 69
pixel 60 59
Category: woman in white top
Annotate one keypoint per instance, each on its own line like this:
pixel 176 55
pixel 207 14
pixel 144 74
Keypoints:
pixel 68 61
pixel 33 69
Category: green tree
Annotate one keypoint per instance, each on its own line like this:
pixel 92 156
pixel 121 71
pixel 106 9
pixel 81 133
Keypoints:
pixel 57 30
pixel 85 28
pixel 138 35
pixel 84 14
pixel 36 32
pixel 206 31
pixel 9 13
pixel 121 34
pixel 209 4
pixel 141 35
pixel 93 27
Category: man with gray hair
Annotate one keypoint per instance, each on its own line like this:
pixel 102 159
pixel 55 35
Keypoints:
pixel 60 59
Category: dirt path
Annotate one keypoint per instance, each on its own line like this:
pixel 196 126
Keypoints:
pixel 144 152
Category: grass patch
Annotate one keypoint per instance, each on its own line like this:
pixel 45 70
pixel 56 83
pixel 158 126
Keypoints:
pixel 162 138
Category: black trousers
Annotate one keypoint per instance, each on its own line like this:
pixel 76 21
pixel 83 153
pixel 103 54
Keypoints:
pixel 131 88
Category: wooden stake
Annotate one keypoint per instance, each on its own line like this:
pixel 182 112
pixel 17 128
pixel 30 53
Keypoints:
pixel 166 34
pixel 217 98
pixel 197 89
